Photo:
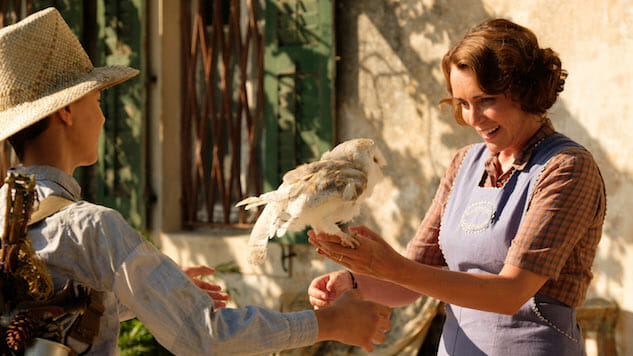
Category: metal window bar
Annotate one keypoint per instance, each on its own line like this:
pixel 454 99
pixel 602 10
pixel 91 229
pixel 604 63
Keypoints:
pixel 222 110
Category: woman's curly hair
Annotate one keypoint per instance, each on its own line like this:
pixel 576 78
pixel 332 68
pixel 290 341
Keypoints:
pixel 506 58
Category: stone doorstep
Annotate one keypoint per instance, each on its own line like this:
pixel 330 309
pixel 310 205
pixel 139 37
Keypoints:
pixel 599 316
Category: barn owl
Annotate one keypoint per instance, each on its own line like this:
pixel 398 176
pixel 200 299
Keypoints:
pixel 320 194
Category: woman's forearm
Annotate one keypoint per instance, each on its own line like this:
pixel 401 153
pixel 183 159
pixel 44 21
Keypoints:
pixel 501 293
pixel 384 292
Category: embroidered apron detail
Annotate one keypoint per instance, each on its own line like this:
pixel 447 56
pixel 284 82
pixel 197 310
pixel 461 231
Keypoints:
pixel 477 217
pixel 493 215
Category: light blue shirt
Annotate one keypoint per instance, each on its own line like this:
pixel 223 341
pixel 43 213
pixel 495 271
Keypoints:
pixel 94 246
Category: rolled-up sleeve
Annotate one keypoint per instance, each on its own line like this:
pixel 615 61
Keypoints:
pixel 182 319
pixel 560 231
pixel 567 204
pixel 180 315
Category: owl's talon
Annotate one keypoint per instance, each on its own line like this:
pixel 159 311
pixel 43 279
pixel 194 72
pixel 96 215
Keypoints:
pixel 349 240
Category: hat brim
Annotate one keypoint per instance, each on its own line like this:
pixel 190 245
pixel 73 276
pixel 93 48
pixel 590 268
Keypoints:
pixel 24 115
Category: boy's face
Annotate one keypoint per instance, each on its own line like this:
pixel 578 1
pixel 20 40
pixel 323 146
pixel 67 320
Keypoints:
pixel 87 123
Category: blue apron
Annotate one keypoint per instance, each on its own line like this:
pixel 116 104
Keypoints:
pixel 477 229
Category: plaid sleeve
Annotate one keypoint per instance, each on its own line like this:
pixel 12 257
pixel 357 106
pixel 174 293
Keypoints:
pixel 424 247
pixel 567 206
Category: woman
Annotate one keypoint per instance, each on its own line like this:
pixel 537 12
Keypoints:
pixel 516 219
pixel 49 111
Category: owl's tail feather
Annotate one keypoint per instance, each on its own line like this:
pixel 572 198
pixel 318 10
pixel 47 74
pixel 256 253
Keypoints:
pixel 266 198
pixel 263 230
pixel 251 202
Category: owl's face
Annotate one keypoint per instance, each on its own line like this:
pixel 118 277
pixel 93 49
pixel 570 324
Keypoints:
pixel 374 167
pixel 378 158
pixel 363 152
pixel 365 156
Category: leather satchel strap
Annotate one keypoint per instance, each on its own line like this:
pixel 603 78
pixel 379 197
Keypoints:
pixel 47 207
pixel 86 327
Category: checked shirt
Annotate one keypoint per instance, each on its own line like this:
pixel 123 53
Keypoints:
pixel 560 230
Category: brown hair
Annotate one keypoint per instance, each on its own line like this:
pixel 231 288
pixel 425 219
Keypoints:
pixel 506 58
pixel 19 139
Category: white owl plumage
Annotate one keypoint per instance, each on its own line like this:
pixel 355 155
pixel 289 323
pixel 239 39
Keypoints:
pixel 320 194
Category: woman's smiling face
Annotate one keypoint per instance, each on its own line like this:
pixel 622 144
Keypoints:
pixel 499 120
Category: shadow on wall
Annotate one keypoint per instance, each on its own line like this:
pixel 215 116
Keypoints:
pixel 397 23
pixel 608 262
pixel 441 23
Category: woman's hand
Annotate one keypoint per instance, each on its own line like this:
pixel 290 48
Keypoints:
pixel 213 290
pixel 374 257
pixel 324 290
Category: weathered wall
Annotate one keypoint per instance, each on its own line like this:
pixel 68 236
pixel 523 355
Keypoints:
pixel 389 82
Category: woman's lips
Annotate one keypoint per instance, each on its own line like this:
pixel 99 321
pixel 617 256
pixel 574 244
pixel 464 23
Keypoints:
pixel 490 133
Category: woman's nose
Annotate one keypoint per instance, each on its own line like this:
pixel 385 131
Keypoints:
pixel 472 116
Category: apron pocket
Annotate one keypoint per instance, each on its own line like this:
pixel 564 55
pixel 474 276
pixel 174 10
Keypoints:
pixel 558 316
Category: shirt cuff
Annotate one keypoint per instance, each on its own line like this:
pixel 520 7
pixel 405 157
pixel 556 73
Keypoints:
pixel 305 328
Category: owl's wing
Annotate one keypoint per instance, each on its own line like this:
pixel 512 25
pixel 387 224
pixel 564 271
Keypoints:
pixel 263 230
pixel 333 175
pixel 329 183
pixel 293 181
pixel 334 178
pixel 296 202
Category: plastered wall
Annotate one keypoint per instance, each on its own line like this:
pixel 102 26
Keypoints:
pixel 389 83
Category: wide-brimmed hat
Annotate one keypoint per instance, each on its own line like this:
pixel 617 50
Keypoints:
pixel 43 68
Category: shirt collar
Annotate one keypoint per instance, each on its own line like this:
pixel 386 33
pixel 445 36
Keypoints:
pixel 69 186
pixel 546 130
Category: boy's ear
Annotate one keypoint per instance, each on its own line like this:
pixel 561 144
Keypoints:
pixel 65 115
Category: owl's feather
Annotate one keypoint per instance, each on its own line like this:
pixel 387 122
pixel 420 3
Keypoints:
pixel 320 194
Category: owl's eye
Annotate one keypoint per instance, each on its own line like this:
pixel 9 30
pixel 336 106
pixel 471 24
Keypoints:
pixel 375 159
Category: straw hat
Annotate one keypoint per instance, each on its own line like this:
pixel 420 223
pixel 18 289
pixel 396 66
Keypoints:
pixel 43 68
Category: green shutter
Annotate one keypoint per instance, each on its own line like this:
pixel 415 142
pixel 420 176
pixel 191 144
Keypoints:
pixel 299 86
pixel 121 159
pixel 111 33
